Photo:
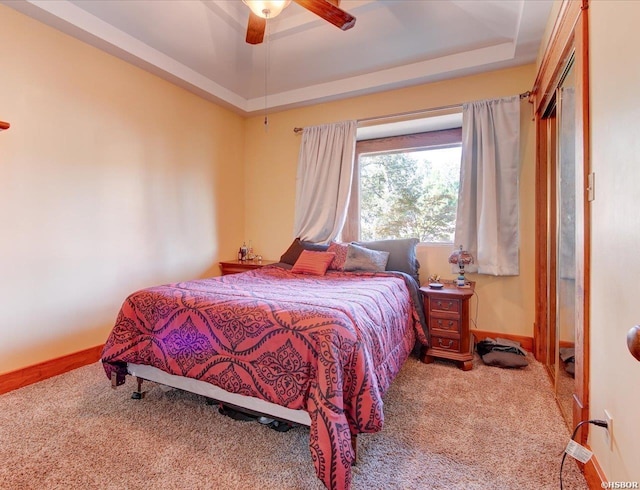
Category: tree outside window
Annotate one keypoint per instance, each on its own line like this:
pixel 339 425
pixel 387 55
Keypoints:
pixel 409 194
pixel 405 186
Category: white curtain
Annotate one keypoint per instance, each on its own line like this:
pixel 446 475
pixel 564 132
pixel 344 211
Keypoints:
pixel 323 184
pixel 487 219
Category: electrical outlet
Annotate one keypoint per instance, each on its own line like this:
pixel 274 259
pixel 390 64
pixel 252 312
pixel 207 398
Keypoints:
pixel 608 433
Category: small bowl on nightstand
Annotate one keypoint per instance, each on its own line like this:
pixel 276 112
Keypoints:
pixel 436 285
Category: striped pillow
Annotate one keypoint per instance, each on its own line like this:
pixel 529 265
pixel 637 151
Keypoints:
pixel 313 263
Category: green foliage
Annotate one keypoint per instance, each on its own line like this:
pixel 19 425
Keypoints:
pixel 409 194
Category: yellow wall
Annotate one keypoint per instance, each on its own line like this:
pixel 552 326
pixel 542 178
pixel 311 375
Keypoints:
pixel 114 180
pixel 615 159
pixel 110 180
pixel 506 303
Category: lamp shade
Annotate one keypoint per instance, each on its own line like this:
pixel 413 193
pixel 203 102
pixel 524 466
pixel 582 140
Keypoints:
pixel 267 9
pixel 460 257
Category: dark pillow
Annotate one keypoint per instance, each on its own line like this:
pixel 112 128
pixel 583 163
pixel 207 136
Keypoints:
pixel 504 359
pixel 296 248
pixel 282 265
pixel 402 254
pixel 570 367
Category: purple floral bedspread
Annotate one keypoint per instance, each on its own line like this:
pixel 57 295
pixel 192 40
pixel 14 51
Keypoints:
pixel 330 345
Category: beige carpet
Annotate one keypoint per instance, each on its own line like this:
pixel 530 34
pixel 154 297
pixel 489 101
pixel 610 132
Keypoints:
pixel 487 428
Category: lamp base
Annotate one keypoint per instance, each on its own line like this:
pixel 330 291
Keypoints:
pixel 460 281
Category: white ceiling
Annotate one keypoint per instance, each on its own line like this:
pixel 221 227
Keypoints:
pixel 200 44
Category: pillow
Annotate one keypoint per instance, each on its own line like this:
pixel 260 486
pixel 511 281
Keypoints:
pixel 296 248
pixel 313 263
pixel 504 359
pixel 402 254
pixel 340 249
pixel 363 259
pixel 282 265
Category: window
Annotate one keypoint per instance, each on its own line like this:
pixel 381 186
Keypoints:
pixel 406 186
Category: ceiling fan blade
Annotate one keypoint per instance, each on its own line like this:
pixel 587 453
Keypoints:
pixel 255 29
pixel 329 12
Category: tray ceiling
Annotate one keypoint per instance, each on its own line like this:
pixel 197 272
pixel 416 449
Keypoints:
pixel 200 44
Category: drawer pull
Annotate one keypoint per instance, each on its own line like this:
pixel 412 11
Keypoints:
pixel 449 325
pixel 448 346
pixel 446 305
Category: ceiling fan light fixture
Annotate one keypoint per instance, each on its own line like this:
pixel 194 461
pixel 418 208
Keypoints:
pixel 267 9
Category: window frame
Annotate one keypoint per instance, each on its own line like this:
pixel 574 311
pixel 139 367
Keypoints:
pixel 429 140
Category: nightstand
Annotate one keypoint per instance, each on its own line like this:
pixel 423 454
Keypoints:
pixel 236 266
pixel 447 313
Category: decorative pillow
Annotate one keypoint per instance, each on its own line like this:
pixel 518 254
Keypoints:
pixel 313 263
pixel 296 248
pixel 340 249
pixel 363 259
pixel 504 359
pixel 402 254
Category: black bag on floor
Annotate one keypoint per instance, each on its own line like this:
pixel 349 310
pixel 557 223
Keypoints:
pixel 502 353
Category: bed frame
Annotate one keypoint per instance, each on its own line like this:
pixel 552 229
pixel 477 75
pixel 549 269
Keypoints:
pixel 248 404
pixel 234 400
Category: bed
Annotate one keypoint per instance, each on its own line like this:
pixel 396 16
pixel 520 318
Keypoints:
pixel 319 350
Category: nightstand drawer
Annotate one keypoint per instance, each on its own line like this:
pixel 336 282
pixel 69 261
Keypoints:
pixel 445 304
pixel 444 343
pixel 446 324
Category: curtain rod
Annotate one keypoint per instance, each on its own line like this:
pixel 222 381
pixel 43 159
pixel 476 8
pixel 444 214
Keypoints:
pixel 523 95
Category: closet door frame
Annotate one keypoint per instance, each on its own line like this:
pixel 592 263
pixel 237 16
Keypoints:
pixel 568 38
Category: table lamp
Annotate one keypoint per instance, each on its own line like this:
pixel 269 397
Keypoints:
pixel 460 258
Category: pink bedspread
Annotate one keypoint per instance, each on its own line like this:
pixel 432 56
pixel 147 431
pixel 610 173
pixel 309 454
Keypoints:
pixel 330 345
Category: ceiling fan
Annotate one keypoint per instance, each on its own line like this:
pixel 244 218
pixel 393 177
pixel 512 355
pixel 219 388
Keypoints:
pixel 329 10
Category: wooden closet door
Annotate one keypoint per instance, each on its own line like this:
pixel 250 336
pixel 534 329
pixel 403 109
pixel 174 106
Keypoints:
pixel 562 220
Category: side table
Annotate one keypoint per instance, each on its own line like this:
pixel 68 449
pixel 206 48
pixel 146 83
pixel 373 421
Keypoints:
pixel 447 313
pixel 236 266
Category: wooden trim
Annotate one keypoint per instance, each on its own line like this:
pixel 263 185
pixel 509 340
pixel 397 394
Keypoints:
pixel 525 342
pixel 38 372
pixel 569 344
pixel 557 51
pixel 4 125
pixel 541 250
pixel 550 235
pixel 593 472
pixel 429 139
pixel 545 291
